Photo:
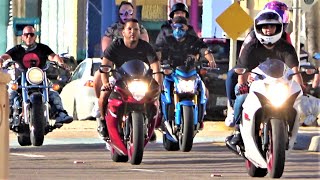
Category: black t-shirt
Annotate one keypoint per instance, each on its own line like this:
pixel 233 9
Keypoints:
pixel 118 53
pixel 254 53
pixel 40 52
pixel 177 52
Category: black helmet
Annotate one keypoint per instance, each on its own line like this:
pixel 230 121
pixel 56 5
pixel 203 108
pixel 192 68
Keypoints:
pixel 179 7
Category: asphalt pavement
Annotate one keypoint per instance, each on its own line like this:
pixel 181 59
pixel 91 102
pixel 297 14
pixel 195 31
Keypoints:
pixel 214 131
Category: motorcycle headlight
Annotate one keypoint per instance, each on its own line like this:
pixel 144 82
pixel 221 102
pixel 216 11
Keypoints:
pixel 138 89
pixel 277 93
pixel 186 86
pixel 35 75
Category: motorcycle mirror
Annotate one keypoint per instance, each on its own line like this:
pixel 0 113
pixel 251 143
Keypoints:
pixel 240 70
pixel 308 70
pixel 316 56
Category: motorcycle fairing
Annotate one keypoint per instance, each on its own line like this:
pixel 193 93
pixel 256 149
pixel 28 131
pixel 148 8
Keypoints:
pixel 247 127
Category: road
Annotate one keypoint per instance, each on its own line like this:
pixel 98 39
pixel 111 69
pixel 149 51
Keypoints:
pixel 79 154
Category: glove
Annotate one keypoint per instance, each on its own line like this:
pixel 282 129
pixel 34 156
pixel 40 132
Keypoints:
pixel 243 89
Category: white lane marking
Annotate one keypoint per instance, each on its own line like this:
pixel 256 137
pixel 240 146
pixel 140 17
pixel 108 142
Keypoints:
pixel 146 170
pixel 27 155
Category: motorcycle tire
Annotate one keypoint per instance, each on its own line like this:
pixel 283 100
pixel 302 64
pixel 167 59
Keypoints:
pixel 169 145
pixel 252 170
pixel 24 139
pixel 37 123
pixel 187 133
pixel 276 154
pixel 117 157
pixel 136 142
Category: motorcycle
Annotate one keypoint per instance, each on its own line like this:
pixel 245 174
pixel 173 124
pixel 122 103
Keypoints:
pixel 58 75
pixel 29 117
pixel 132 110
pixel 270 119
pixel 183 105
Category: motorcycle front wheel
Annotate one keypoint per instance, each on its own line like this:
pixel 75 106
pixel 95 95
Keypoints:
pixel 37 123
pixel 136 143
pixel 276 153
pixel 186 136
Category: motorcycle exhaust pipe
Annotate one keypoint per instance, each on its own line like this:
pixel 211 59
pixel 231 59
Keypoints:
pixel 170 130
pixel 234 148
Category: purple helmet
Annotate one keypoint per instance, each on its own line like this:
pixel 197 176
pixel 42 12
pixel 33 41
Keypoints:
pixel 281 8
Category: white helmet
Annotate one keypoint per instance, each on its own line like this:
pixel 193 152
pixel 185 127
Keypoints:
pixel 268 17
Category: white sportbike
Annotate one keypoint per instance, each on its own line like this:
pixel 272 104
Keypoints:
pixel 270 119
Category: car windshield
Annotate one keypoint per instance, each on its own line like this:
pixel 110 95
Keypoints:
pixel 95 67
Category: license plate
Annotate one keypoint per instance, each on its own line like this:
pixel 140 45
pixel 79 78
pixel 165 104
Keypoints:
pixel 221 101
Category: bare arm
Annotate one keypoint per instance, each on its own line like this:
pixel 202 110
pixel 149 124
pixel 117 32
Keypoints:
pixel 56 58
pixel 145 36
pixel 297 77
pixel 210 58
pixel 3 58
pixel 243 78
pixel 105 42
pixel 105 76
pixel 156 69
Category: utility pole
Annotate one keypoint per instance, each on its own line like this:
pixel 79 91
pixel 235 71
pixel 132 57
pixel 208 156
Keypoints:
pixel 233 50
pixel 296 25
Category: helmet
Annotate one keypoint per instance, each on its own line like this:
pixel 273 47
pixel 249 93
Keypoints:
pixel 268 17
pixel 281 8
pixel 179 7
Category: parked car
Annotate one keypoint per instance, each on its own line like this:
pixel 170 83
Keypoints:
pixel 215 81
pixel 78 97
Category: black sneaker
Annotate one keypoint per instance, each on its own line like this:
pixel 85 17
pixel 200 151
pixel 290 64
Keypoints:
pixel 153 138
pixel 236 139
pixel 102 128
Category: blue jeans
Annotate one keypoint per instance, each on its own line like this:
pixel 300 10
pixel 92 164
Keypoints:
pixel 238 105
pixel 231 81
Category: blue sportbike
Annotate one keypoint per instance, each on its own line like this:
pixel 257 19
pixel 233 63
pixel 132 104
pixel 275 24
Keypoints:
pixel 183 103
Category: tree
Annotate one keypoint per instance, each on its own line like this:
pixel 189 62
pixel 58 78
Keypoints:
pixel 313 29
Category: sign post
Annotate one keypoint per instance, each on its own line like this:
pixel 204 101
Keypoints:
pixel 4 126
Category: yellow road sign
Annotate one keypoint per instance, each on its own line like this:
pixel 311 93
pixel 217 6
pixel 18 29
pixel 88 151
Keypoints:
pixel 234 21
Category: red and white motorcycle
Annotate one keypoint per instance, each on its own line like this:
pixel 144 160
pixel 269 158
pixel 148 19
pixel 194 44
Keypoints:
pixel 270 119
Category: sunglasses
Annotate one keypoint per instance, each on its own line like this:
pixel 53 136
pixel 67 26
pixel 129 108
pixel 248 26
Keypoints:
pixel 28 34
pixel 126 13
pixel 177 26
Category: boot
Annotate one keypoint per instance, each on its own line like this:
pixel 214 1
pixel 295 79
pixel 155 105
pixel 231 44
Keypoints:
pixel 63 118
pixel 102 128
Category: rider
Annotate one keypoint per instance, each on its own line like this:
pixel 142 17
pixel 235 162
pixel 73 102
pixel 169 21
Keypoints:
pixel 121 50
pixel 268 28
pixel 29 45
pixel 231 81
pixel 112 33
pixel 178 9
pixel 177 46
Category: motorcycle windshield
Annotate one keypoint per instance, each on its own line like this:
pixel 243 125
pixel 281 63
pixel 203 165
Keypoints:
pixel 273 68
pixel 134 68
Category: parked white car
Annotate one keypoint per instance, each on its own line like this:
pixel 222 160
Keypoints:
pixel 78 97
